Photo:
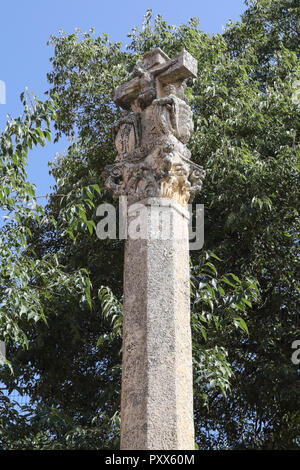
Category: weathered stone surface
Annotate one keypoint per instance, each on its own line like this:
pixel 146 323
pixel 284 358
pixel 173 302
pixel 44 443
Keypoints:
pixel 153 168
pixel 157 389
pixel 165 172
pixel 150 137
pixel 186 65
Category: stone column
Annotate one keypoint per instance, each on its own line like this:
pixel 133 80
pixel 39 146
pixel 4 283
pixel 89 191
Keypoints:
pixel 153 169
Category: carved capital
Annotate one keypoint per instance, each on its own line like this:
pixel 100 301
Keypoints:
pixel 164 172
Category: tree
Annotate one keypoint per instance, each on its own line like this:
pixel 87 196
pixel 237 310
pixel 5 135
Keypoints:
pixel 247 138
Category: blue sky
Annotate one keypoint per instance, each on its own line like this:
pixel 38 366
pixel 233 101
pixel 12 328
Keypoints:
pixel 25 27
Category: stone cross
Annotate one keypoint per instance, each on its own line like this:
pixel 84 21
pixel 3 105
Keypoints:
pixel 154 171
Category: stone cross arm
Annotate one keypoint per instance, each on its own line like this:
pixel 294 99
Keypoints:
pixel 181 68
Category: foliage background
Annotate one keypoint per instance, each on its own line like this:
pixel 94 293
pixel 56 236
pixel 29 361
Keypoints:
pixel 61 287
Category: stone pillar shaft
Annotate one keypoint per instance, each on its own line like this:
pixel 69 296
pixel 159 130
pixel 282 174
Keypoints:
pixel 157 410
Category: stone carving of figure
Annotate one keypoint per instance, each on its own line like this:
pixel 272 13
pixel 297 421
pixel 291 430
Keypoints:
pixel 173 115
pixel 127 133
pixel 166 111
pixel 181 91
pixel 147 86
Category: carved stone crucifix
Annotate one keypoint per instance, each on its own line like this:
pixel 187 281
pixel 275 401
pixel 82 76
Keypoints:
pixel 153 168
